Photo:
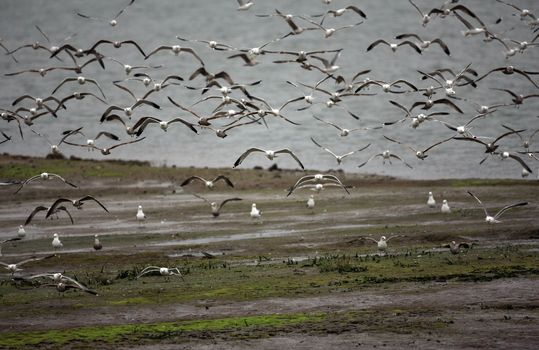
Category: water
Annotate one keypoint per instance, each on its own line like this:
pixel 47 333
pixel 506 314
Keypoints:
pixel 153 24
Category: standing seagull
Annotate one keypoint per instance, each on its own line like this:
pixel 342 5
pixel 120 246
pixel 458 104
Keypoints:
pixel 141 217
pixel 382 243
pixel 270 154
pixel 21 233
pixel 56 243
pixel 431 202
pixel 445 207
pixel 494 219
pixel 97 243
pixel 310 202
pixel 255 213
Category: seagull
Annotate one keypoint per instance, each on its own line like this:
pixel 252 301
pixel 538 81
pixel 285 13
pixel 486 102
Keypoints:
pixel 128 111
pixel 317 179
pixel 97 243
pixel 270 154
pixel 40 102
pixel 302 56
pixel 310 202
pixel 176 50
pixel 517 99
pixel 490 147
pixel 42 208
pixel 129 68
pixel 455 247
pixel 77 203
pixel 163 271
pixel 114 21
pixel 386 87
pixel 226 90
pixel 78 96
pixel 472 30
pixel 382 243
pixel 106 151
pixel 245 5
pixel 510 70
pixel 340 12
pixel 419 154
pixel 344 131
pixel 505 155
pixel 8 240
pixel 465 130
pixel 210 76
pixel 418 119
pixel 424 17
pixel 255 213
pixel 56 243
pixel 445 207
pixel 215 207
pixel 494 219
pixel 269 110
pixel 6 137
pixel 141 217
pixel 21 232
pixel 81 80
pixel 339 158
pixel 62 287
pixel 430 103
pixel 447 11
pixel 330 31
pixel 386 155
pixel 116 45
pixel 330 66
pixel 525 142
pixel 55 147
pixel 394 46
pixel 130 130
pixel 16 267
pixel 424 44
pixel 431 202
pixel 143 122
pixel 296 29
pixel 43 71
pixel 208 183
pixel 214 45
pixel 91 142
pixel 523 13
pixel 44 176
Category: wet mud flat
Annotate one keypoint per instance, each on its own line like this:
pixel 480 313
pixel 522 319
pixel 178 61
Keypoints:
pixel 298 278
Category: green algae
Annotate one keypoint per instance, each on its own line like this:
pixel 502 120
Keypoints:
pixel 133 332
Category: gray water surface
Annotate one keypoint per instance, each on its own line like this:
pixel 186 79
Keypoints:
pixel 155 23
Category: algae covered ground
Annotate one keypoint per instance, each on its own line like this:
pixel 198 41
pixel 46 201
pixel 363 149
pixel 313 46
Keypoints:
pixel 297 278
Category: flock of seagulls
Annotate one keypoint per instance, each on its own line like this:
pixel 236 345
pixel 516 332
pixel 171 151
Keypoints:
pixel 240 106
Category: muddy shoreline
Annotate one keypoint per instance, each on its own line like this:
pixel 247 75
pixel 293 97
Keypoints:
pixel 298 278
